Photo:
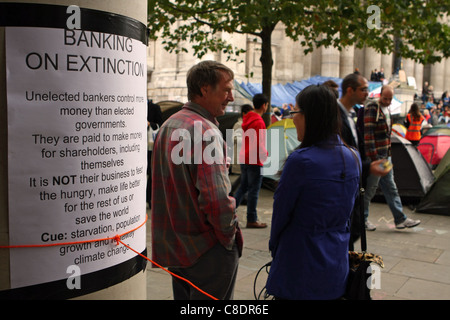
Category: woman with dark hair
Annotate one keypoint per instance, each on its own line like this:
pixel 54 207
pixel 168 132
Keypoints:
pixel 413 123
pixel 313 203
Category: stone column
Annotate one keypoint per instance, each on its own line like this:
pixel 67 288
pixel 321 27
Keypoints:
pixel 447 75
pixel 386 64
pixel 372 61
pixel 437 78
pixel 347 61
pixel 408 67
pixel 330 62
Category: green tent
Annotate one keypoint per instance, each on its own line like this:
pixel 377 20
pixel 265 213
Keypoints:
pixel 437 199
pixel 281 141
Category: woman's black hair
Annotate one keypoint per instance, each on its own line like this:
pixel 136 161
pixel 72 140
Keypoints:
pixel 322 116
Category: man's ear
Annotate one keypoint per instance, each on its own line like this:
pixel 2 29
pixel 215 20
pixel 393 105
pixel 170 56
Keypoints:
pixel 350 90
pixel 204 90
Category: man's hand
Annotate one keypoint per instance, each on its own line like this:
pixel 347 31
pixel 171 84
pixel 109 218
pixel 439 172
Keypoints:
pixel 377 169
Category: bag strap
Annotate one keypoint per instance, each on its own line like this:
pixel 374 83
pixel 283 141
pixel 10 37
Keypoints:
pixel 361 205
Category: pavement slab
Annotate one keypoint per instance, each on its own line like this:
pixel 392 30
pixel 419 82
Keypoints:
pixel 417 260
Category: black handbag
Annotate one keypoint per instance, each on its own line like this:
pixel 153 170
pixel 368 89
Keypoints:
pixel 359 262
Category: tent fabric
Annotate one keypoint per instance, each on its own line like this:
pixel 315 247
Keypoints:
pixel 399 129
pixel 434 148
pixel 282 94
pixel 243 92
pixel 437 199
pixel 438 129
pixel 434 144
pixel 283 146
pixel 412 174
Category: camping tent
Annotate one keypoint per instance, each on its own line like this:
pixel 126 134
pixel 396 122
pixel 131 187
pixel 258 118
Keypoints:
pixel 281 141
pixel 169 107
pixel 437 199
pixel 399 129
pixel 412 174
pixel 434 144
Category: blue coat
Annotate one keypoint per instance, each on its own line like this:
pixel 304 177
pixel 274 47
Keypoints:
pixel 310 223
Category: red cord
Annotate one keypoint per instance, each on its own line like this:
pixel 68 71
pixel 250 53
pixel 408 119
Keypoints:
pixel 117 239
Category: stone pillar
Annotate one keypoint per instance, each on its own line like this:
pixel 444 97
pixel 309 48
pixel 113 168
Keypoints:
pixel 330 62
pixel 316 62
pixel 372 61
pixel 386 64
pixel 408 67
pixel 437 78
pixel 133 285
pixel 447 75
pixel 347 61
pixel 359 61
pixel 418 75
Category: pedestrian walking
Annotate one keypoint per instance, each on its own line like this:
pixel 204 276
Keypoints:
pixel 377 143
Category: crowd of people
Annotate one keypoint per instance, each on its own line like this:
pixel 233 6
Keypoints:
pixel 431 112
pixel 435 110
pixel 195 229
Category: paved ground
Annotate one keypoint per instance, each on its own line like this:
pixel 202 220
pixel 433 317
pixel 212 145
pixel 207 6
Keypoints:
pixel 417 261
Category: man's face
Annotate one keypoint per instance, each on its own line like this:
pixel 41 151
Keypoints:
pixel 386 97
pixel 360 94
pixel 215 99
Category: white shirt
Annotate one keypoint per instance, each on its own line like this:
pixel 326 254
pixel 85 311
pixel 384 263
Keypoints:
pixel 350 121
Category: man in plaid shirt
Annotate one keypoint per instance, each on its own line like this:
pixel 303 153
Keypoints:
pixel 377 143
pixel 195 230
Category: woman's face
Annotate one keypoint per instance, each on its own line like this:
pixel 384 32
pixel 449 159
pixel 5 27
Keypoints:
pixel 299 121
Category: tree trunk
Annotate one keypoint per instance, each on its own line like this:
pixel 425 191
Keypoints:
pixel 267 63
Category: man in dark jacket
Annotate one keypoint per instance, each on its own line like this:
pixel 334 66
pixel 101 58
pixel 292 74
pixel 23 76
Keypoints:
pixel 355 92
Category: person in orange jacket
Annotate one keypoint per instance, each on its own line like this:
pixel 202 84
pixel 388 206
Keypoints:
pixel 413 122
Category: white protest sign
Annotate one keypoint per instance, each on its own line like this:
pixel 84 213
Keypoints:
pixel 76 150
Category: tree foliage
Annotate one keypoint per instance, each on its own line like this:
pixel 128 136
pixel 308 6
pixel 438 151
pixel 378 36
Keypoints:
pixel 421 25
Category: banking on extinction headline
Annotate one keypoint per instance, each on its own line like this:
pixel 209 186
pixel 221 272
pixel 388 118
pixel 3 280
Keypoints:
pixel 89 63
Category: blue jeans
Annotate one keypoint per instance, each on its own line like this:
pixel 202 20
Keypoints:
pixel 390 192
pixel 251 180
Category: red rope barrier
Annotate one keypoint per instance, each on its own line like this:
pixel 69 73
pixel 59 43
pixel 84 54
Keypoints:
pixel 173 274
pixel 117 239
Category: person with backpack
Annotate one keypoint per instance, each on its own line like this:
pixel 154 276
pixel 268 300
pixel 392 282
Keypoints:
pixel 377 144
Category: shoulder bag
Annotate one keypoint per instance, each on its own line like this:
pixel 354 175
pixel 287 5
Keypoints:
pixel 358 283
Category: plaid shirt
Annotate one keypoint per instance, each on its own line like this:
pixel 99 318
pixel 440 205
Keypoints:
pixel 191 207
pixel 377 133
